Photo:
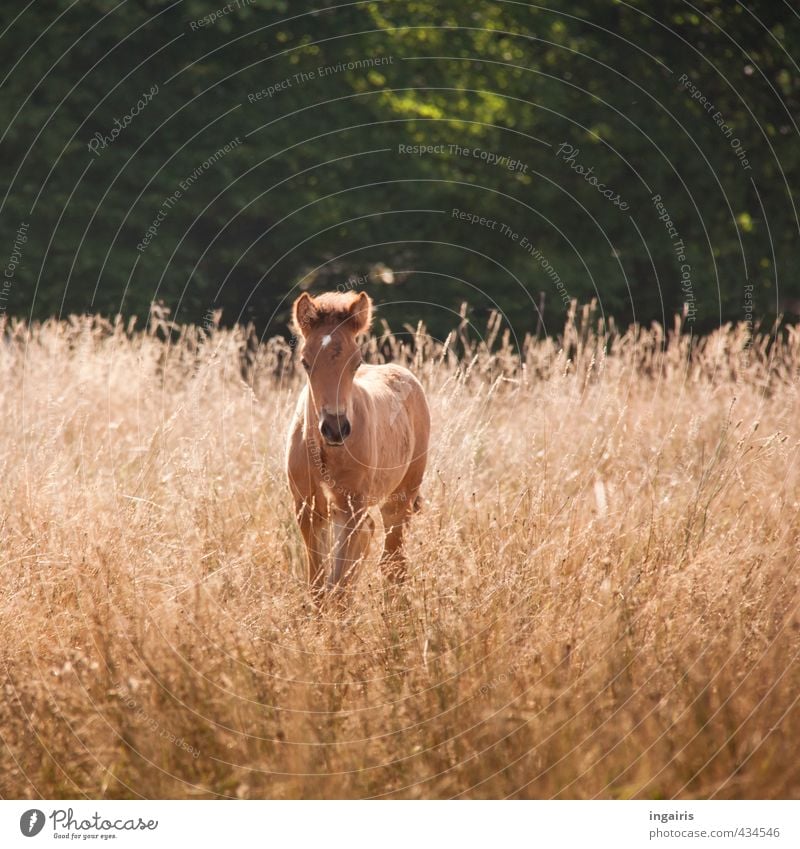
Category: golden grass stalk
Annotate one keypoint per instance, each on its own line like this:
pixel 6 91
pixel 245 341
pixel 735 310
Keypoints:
pixel 603 599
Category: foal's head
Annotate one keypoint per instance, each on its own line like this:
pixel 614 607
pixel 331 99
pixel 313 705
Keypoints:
pixel 329 325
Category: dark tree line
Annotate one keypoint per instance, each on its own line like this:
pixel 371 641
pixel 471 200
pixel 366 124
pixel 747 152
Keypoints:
pixel 215 155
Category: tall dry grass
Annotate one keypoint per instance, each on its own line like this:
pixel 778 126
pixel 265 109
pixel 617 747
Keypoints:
pixel 603 599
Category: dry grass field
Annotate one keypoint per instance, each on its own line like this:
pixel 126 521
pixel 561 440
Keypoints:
pixel 603 598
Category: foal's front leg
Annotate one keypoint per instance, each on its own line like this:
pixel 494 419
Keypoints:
pixel 395 514
pixel 352 534
pixel 313 527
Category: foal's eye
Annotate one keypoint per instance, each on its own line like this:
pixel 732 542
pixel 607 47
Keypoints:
pixel 304 363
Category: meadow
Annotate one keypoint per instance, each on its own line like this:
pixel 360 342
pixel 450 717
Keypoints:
pixel 602 599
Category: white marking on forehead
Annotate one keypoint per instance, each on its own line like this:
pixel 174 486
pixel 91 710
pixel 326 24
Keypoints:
pixel 326 340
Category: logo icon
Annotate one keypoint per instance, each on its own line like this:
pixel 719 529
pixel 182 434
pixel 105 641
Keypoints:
pixel 31 822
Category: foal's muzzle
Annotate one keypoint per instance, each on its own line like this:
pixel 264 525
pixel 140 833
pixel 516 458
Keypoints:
pixel 334 428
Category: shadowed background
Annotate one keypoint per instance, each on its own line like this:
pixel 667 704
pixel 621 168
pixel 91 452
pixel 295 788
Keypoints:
pixel 317 100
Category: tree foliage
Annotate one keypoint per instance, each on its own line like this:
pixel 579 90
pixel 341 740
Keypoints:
pixel 317 105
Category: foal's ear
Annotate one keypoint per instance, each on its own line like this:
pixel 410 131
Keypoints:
pixel 304 313
pixel 361 313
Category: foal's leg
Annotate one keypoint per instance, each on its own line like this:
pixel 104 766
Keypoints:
pixel 313 527
pixel 353 532
pixel 395 513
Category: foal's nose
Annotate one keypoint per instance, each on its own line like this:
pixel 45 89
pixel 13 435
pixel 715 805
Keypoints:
pixel 334 428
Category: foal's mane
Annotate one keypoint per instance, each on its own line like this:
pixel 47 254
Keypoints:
pixel 333 308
